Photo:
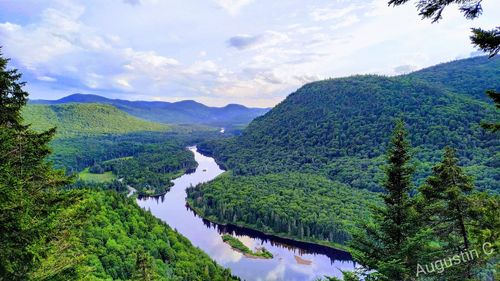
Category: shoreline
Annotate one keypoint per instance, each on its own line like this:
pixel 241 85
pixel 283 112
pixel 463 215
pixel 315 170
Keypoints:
pixel 337 247
pixel 250 256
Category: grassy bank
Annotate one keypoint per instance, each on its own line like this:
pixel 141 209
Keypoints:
pixel 239 246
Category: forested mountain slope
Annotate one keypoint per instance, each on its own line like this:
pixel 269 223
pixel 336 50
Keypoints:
pixel 86 119
pixel 106 236
pixel 182 112
pixel 468 76
pixel 340 127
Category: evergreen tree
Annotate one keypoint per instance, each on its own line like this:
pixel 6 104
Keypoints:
pixel 26 180
pixel 495 96
pixel 144 266
pixel 484 210
pixel 446 211
pixel 387 245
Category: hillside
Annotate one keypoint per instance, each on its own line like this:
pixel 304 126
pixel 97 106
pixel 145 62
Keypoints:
pixel 83 119
pixel 340 127
pixel 182 112
pixel 301 206
pixel 106 236
pixel 468 76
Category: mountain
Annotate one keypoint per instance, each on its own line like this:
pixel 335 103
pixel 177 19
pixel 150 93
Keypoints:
pixel 182 112
pixel 83 119
pixel 468 77
pixel 340 128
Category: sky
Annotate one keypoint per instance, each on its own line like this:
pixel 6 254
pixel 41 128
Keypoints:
pixel 251 52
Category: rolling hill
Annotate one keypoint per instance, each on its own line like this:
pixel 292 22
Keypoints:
pixel 182 112
pixel 340 127
pixel 86 119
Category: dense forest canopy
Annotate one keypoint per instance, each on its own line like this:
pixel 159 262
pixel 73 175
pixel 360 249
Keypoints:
pixel 49 233
pixel 105 236
pixel 302 206
pixel 343 124
pixel 80 119
pixel 99 138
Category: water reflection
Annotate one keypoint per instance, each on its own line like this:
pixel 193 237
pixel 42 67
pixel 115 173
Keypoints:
pixel 293 260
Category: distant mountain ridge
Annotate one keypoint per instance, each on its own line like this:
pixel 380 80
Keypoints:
pixel 182 112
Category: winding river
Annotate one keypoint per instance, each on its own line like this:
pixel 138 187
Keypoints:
pixel 292 260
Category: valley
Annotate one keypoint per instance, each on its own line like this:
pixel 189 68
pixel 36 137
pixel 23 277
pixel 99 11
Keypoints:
pixel 171 208
pixel 142 190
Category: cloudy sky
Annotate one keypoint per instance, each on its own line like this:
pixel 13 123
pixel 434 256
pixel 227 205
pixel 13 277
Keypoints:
pixel 252 52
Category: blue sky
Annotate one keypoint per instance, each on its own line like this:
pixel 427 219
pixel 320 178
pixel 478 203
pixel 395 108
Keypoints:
pixel 252 52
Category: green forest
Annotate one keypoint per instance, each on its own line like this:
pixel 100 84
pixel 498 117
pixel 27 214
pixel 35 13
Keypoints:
pixel 76 119
pixel 91 138
pixel 181 112
pixel 48 232
pixel 300 206
pixel 398 173
pixel 105 236
pixel 337 126
pixel 322 166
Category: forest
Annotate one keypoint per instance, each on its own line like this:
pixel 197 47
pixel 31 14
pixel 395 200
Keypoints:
pixel 107 236
pixel 181 112
pixel 76 119
pixel 50 232
pixel 420 199
pixel 92 138
pixel 300 206
pixel 376 177
pixel 335 126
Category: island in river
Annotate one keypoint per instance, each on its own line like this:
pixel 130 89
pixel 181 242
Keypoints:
pixel 237 245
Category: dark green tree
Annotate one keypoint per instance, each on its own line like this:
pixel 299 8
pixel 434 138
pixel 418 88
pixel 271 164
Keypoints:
pixel 144 266
pixel 486 40
pixel 494 127
pixel 26 180
pixel 446 210
pixel 387 245
pixel 12 96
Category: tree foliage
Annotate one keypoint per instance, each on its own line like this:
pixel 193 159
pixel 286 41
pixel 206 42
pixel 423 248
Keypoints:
pixel 47 233
pixel 27 182
pixel 339 127
pixel 77 120
pixel 302 206
pixel 386 245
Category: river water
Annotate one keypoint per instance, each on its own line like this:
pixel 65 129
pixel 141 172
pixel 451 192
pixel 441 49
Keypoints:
pixel 292 260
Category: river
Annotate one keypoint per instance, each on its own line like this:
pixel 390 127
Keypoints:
pixel 292 260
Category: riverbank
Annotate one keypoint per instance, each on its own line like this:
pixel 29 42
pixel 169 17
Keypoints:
pixel 171 208
pixel 178 174
pixel 311 241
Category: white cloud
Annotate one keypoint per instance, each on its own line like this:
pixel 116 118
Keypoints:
pixel 46 78
pixel 329 13
pixel 170 50
pixel 345 22
pixel 123 82
pixel 267 39
pixel 232 7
